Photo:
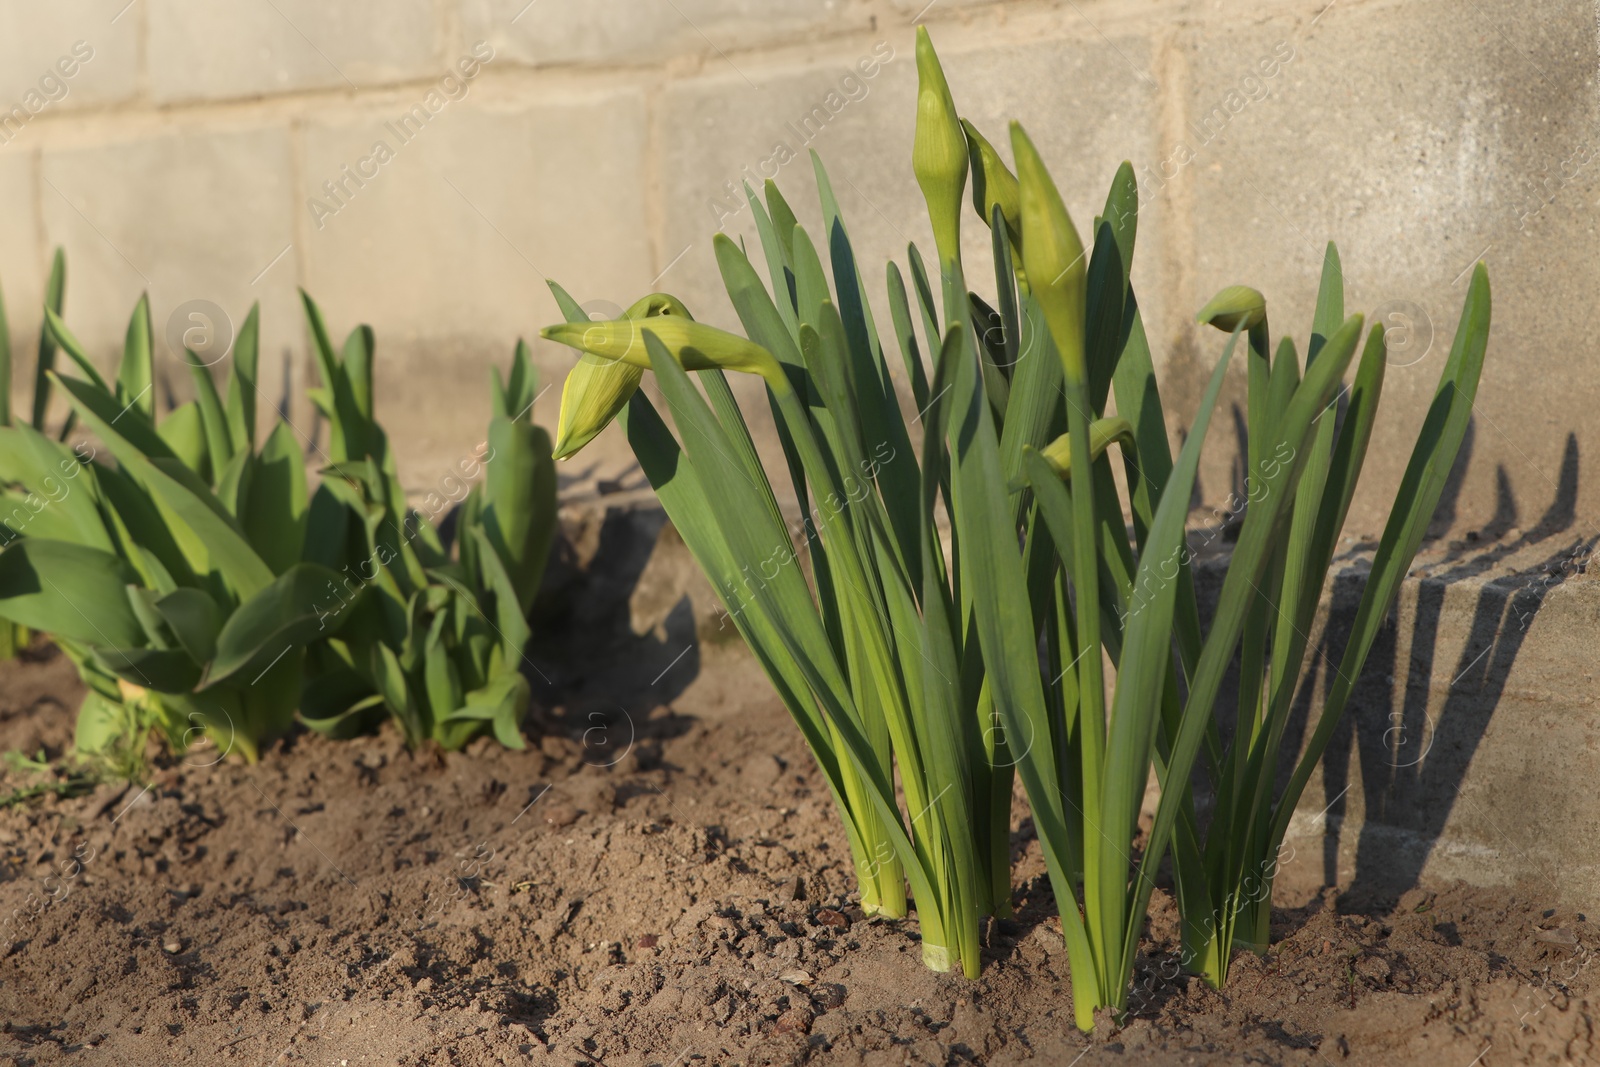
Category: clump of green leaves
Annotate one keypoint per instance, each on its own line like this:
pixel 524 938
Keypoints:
pixel 201 589
pixel 18 509
pixel 948 668
pixel 425 625
pixel 173 577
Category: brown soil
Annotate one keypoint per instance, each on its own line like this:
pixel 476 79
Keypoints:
pixel 353 903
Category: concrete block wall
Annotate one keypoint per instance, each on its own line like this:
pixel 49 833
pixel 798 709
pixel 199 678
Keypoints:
pixel 425 165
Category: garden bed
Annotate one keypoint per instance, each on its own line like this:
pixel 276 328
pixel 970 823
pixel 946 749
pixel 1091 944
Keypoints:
pixel 687 904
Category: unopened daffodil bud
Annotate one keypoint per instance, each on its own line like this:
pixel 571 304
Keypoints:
pixel 939 153
pixel 1052 254
pixel 1235 306
pixel 694 345
pixel 1102 433
pixel 993 184
pixel 597 389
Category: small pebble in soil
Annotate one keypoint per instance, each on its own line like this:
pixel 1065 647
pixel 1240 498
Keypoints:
pixel 172 945
pixel 831 917
pixel 559 815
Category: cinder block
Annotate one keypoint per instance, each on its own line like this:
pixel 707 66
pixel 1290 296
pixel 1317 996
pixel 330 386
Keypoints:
pixel 198 216
pixel 445 248
pixel 549 32
pixel 207 51
pixel 62 56
pixel 1420 137
pixel 1467 747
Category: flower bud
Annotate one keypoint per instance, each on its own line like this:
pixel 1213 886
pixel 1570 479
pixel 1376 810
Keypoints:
pixel 1052 255
pixel 694 345
pixel 993 184
pixel 1102 432
pixel 939 153
pixel 1233 306
pixel 597 389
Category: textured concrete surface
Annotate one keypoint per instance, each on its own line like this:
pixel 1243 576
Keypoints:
pixel 1469 749
pixel 208 204
pixel 200 50
pixel 627 32
pixel 71 54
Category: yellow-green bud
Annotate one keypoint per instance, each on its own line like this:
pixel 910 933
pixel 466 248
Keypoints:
pixel 1233 306
pixel 1102 432
pixel 993 184
pixel 1052 254
pixel 694 345
pixel 597 388
pixel 595 391
pixel 939 153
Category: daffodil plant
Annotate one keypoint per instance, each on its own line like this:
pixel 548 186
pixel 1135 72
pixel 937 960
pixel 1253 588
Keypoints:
pixel 1095 587
pixel 951 667
pixel 873 655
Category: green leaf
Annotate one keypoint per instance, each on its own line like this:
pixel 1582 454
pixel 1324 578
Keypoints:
pixel 136 375
pixel 194 619
pixel 184 435
pixel 509 622
pixel 69 344
pixel 161 670
pixel 213 421
pixel 209 539
pixel 102 724
pixel 290 611
pixel 520 503
pixel 60 481
pixel 275 512
pixel 54 294
pixel 69 589
pixel 242 383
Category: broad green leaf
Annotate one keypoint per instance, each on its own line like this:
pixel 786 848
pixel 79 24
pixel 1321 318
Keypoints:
pixel 161 670
pixel 69 589
pixel 275 513
pixel 54 294
pixel 185 436
pixel 290 611
pixel 520 503
pixel 242 389
pixel 210 541
pixel 194 619
pixel 136 374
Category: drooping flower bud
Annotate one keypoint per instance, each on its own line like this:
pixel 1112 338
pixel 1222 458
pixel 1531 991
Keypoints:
pixel 939 153
pixel 993 184
pixel 1102 432
pixel 597 389
pixel 1052 254
pixel 694 345
pixel 1234 306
